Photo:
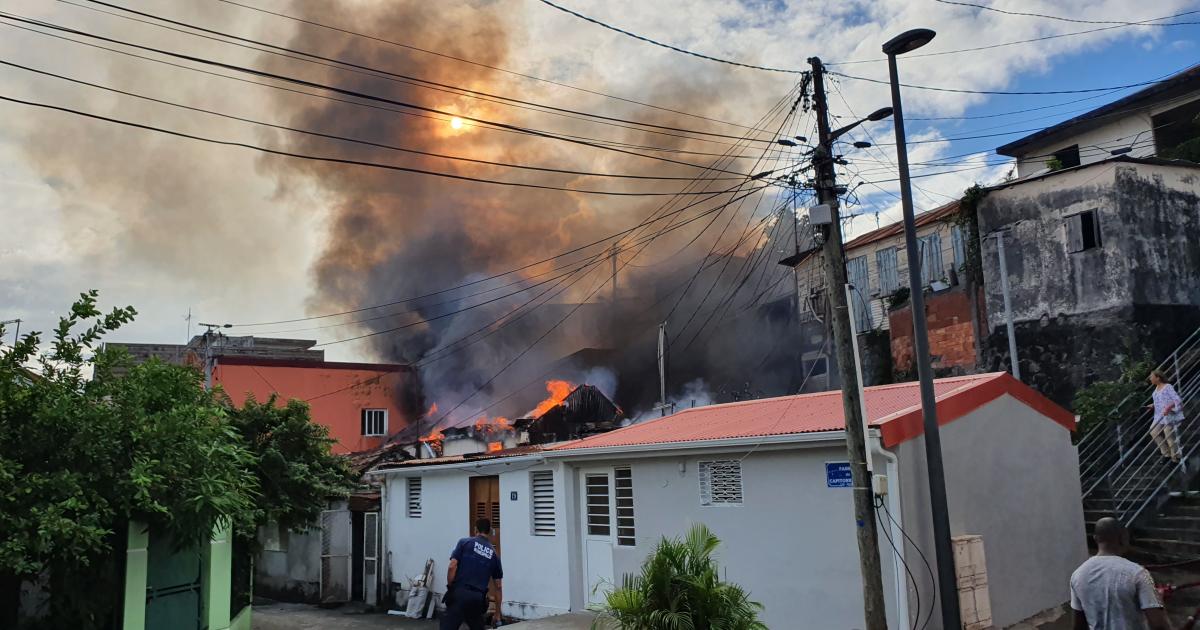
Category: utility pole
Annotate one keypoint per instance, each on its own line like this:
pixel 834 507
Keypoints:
pixel 208 355
pixel 662 364
pixel 1013 361
pixel 835 281
pixel 17 332
pixel 796 268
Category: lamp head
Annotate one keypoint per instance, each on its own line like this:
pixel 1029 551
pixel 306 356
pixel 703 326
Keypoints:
pixel 908 41
pixel 880 114
pixel 1121 151
pixel 862 145
pixel 785 142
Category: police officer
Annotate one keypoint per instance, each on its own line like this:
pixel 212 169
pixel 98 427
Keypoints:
pixel 473 563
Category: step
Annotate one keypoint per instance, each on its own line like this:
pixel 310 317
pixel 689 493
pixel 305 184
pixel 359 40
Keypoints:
pixel 1183 548
pixel 1158 530
pixel 1189 524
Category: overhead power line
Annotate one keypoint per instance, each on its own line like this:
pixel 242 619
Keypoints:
pixel 348 92
pixel 1042 15
pixel 318 158
pixel 1001 92
pixel 318 134
pixel 341 64
pixel 669 46
pixel 392 42
pixel 1150 22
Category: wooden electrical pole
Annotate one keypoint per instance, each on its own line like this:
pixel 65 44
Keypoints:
pixel 835 283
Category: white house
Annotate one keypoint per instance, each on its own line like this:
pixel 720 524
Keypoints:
pixel 767 477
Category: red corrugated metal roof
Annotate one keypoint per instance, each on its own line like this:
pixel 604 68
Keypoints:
pixel 895 409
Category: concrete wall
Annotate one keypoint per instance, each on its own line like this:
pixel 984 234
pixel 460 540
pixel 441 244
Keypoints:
pixel 1079 315
pixel 1012 476
pixel 339 393
pixel 791 544
pixel 291 573
pixel 536 566
pixel 1118 131
pixel 536 569
pixel 445 519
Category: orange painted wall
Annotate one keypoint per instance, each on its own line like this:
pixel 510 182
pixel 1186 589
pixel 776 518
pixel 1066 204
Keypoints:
pixel 337 392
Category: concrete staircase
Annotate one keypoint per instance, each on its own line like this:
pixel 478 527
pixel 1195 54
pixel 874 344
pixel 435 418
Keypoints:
pixel 1169 545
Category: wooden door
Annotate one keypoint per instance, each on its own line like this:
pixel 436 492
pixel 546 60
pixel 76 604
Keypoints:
pixel 485 503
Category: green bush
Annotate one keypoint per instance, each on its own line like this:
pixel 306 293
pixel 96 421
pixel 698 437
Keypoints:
pixel 680 588
pixel 1106 401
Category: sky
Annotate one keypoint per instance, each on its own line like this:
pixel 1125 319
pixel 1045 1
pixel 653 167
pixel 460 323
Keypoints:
pixel 171 226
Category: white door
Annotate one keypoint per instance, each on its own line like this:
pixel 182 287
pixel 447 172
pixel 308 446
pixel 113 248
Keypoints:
pixel 598 535
pixel 335 555
pixel 370 556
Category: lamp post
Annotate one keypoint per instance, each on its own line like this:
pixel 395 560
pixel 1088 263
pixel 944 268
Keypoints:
pixel 906 42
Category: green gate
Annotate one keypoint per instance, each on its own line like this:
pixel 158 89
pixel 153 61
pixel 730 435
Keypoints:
pixel 174 596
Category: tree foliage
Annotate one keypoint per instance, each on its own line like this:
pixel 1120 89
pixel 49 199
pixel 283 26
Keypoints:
pixel 1108 401
pixel 295 471
pixel 90 442
pixel 680 588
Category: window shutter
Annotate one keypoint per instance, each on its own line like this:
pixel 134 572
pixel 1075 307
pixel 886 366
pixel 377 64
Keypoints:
pixel 363 420
pixel 599 520
pixel 1075 233
pixel 721 482
pixel 623 480
pixel 542 504
pixel 414 497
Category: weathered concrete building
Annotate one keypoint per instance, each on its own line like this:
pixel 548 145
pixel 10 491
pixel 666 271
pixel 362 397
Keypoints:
pixel 1103 264
pixel 1156 121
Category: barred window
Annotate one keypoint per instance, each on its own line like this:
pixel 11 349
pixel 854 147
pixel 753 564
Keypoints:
pixel 721 482
pixel 414 497
pixel 374 421
pixel 623 480
pixel 541 490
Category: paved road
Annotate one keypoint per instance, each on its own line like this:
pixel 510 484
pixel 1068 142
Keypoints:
pixel 279 616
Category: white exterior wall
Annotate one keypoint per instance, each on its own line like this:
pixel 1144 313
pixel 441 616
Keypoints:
pixel 535 567
pixel 444 520
pixel 1012 476
pixel 791 543
pixel 1119 131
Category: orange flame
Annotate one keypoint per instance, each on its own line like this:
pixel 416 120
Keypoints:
pixel 432 410
pixel 434 436
pixel 558 391
pixel 495 446
pixel 492 425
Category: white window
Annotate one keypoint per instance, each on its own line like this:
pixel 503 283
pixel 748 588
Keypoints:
pixel 413 508
pixel 374 421
pixel 721 482
pixel 889 277
pixel 541 489
pixel 623 480
pixel 931 258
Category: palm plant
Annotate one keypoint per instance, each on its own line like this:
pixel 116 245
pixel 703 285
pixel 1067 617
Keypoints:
pixel 680 588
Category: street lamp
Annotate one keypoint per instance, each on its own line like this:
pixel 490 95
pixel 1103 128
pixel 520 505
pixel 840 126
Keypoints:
pixel 902 43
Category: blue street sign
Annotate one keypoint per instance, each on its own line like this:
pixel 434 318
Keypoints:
pixel 837 475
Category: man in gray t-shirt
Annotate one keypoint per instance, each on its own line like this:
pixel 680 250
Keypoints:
pixel 1109 592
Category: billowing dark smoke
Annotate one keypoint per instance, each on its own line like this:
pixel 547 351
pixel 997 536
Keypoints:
pixel 394 235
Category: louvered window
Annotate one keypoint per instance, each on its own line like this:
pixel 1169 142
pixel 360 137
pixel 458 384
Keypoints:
pixel 931 258
pixel 623 482
pixel 889 277
pixel 599 518
pixel 414 497
pixel 721 482
pixel 542 490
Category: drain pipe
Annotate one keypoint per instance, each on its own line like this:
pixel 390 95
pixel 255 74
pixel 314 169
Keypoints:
pixel 894 506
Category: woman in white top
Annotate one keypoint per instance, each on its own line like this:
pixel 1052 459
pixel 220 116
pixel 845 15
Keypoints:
pixel 1168 413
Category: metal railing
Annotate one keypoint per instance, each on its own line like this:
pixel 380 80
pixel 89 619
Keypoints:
pixel 1120 458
